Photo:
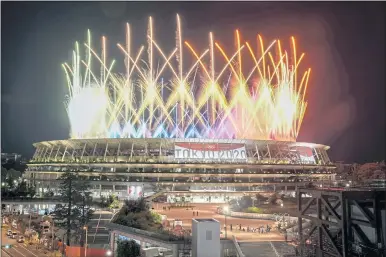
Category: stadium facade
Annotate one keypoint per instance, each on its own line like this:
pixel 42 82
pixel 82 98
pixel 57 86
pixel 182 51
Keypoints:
pixel 192 170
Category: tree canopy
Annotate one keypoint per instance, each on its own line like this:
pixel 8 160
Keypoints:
pixel 128 248
pixel 111 202
pixel 136 214
pixel 13 186
pixel 76 211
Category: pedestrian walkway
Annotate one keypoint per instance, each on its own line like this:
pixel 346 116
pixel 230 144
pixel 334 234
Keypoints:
pixel 266 249
pixel 185 215
pixel 98 234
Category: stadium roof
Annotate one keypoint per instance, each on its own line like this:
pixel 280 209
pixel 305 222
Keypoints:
pixel 157 142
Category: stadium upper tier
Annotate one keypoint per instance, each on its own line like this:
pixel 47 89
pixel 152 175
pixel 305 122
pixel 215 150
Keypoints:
pixel 181 153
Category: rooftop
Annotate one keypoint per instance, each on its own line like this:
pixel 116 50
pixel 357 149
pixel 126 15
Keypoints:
pixel 205 220
pixel 156 142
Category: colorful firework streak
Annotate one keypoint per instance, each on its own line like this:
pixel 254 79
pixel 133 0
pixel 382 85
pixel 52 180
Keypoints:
pixel 212 98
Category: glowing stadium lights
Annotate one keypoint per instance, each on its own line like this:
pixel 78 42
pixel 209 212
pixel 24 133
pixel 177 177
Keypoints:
pixel 212 99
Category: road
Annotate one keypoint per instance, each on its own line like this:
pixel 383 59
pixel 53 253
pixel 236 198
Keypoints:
pixel 266 249
pixel 97 233
pixel 18 249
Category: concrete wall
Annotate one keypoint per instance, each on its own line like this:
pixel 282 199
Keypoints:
pixel 206 238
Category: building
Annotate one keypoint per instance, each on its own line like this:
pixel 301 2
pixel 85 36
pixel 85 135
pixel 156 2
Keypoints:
pixel 187 170
pixel 206 238
pixel 10 157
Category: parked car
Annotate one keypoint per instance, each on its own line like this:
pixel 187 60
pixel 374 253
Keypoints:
pixel 20 239
pixel 9 233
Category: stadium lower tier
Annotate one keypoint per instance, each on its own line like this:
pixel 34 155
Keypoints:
pixel 195 187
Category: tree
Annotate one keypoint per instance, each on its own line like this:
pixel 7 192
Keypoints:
pixel 111 202
pixel 103 201
pixel 137 215
pixel 14 174
pixel 234 205
pixel 9 176
pixel 135 206
pixel 22 226
pixel 31 191
pixel 274 197
pixel 76 212
pixel 35 225
pixel 48 194
pixel 260 198
pixel 114 202
pixel 10 182
pixel 22 189
pixel 245 202
pixel 254 210
pixel 85 201
pixel 128 248
pixel 3 173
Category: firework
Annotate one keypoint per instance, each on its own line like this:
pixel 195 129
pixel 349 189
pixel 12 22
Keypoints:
pixel 204 100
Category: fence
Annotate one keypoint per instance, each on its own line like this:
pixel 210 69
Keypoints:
pixel 262 216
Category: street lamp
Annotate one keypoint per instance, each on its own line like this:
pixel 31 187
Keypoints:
pixel 85 246
pixel 226 209
pixel 109 253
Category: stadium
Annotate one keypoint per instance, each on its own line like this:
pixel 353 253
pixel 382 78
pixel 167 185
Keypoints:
pixel 215 129
pixel 198 170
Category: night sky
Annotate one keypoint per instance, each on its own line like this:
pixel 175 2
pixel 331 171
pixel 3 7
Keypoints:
pixel 344 44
